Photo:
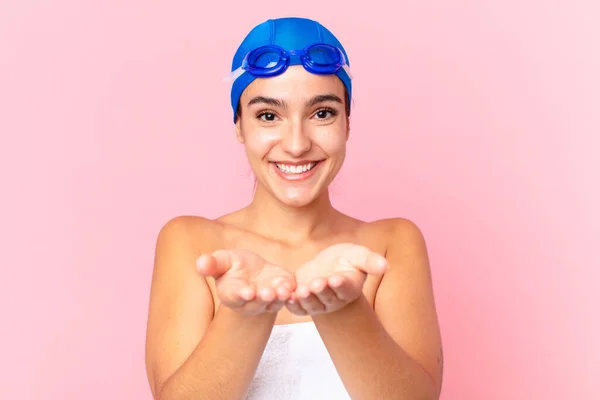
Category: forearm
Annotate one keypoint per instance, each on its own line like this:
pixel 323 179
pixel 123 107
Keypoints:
pixel 369 362
pixel 225 361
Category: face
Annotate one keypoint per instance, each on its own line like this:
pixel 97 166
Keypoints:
pixel 294 128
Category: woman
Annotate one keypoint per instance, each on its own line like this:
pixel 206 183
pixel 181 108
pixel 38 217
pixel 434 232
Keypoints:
pixel 288 297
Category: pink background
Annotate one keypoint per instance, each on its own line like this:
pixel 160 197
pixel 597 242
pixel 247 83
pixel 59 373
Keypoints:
pixel 479 120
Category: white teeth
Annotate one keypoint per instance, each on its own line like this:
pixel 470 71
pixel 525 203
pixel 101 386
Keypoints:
pixel 295 169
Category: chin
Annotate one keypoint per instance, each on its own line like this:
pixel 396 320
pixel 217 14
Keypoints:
pixel 296 198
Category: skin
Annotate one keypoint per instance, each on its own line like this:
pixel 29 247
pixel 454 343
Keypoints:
pixel 220 285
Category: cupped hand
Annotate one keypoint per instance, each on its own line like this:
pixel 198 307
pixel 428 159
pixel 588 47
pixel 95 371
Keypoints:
pixel 246 282
pixel 334 278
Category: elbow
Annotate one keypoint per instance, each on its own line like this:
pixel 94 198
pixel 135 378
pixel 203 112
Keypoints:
pixel 433 392
pixel 425 393
pixel 162 392
pixel 432 395
pixel 163 395
pixel 431 389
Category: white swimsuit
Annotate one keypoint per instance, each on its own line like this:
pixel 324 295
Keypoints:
pixel 296 366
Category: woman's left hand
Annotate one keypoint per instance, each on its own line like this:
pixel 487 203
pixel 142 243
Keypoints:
pixel 334 278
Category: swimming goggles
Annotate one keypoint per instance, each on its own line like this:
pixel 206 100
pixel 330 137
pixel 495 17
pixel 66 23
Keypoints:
pixel 271 60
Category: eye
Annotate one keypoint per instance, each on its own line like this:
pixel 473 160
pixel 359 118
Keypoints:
pixel 325 113
pixel 266 116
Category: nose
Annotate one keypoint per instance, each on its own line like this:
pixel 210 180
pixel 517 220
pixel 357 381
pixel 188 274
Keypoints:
pixel 295 140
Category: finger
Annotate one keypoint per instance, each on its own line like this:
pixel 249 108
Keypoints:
pixel 302 291
pixel 376 264
pixel 215 264
pixel 267 294
pixel 256 306
pixel 320 288
pixel 294 307
pixel 283 293
pixel 276 305
pixel 365 260
pixel 344 287
pixel 247 292
pixel 206 265
pixel 283 282
pixel 277 288
pixel 293 298
pixel 311 304
pixel 335 281
pixel 237 296
pixel 317 285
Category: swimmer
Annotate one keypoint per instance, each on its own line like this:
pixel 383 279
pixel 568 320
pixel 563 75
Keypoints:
pixel 289 298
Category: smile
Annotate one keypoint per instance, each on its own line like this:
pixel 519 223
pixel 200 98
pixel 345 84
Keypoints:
pixel 296 172
pixel 295 169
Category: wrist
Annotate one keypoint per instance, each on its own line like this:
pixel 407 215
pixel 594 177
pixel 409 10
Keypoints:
pixel 353 312
pixel 239 318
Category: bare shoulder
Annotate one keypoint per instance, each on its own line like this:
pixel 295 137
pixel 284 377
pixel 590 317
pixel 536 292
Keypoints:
pixel 407 249
pixel 192 234
pixel 395 233
pixel 189 227
pixel 405 232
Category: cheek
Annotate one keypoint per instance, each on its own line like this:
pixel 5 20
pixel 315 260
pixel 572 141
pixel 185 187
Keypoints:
pixel 260 142
pixel 333 143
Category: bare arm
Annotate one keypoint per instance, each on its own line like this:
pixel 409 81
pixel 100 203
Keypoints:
pixel 190 355
pixel 393 352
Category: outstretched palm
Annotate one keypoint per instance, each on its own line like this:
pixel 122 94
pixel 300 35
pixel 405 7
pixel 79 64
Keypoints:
pixel 246 282
pixel 334 278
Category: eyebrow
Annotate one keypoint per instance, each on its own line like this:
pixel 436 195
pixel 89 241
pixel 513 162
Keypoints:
pixel 321 98
pixel 267 100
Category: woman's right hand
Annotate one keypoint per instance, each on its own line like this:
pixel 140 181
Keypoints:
pixel 245 282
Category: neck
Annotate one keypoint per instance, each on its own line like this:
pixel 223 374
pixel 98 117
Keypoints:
pixel 289 224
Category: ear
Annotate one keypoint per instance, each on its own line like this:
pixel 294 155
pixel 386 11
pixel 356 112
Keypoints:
pixel 347 128
pixel 238 130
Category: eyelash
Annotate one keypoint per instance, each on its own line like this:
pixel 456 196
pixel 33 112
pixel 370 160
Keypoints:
pixel 266 112
pixel 331 111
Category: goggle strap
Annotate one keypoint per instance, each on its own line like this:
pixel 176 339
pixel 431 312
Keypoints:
pixel 233 75
pixel 347 69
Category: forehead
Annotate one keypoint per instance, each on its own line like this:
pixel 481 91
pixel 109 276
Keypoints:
pixel 295 83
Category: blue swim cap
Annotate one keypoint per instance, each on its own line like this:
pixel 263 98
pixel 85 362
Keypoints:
pixel 290 34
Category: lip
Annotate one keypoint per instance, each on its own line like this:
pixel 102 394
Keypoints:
pixel 297 177
pixel 301 162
